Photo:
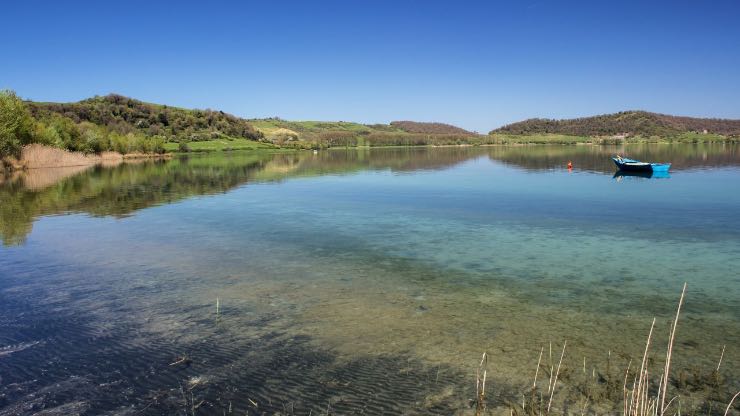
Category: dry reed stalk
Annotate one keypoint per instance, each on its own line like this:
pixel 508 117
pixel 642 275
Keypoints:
pixel 720 357
pixel 552 370
pixel 35 156
pixel 666 372
pixel 729 405
pixel 534 384
pixel 624 386
pixel 583 412
pixel 637 399
pixel 555 380
pixel 584 364
pixel 639 402
pixel 480 385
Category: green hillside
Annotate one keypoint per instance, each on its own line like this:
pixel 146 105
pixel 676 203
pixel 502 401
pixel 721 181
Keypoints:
pixel 342 133
pixel 120 124
pixel 625 124
pixel 126 125
pixel 124 115
pixel 430 128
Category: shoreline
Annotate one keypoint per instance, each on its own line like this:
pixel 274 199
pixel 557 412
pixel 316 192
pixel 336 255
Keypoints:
pixel 36 156
pixel 595 142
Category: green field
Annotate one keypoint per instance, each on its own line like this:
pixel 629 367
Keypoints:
pixel 270 125
pixel 407 139
pixel 220 145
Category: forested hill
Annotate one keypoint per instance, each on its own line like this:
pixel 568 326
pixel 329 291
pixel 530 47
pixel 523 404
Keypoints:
pixel 632 123
pixel 125 115
pixel 429 128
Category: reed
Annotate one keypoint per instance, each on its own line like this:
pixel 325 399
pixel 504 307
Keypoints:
pixel 643 394
pixel 669 352
pixel 719 363
pixel 729 405
pixel 480 386
pixel 555 380
pixel 39 156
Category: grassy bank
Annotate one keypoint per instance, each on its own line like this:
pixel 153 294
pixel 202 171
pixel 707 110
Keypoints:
pixel 217 145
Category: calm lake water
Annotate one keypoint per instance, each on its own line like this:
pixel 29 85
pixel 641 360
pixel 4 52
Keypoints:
pixel 365 281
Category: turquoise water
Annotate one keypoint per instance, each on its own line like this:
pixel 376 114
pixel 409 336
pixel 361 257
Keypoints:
pixel 361 279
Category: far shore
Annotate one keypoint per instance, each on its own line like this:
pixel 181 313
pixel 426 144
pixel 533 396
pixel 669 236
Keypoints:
pixel 36 156
pixel 205 148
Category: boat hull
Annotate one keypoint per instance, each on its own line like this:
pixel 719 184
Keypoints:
pixel 661 167
pixel 632 166
pixel 629 165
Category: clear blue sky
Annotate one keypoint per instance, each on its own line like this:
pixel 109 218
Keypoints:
pixel 475 64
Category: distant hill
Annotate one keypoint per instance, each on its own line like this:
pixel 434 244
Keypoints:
pixel 126 125
pixel 125 115
pixel 429 128
pixel 631 123
pixel 344 133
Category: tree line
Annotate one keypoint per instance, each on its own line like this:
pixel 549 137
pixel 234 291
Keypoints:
pixel 125 115
pixel 629 123
pixel 20 126
pixel 430 128
pixel 110 123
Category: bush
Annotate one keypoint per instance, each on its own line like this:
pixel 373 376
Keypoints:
pixel 67 133
pixel 119 143
pixel 16 124
pixel 183 147
pixel 157 144
pixel 93 138
pixel 46 135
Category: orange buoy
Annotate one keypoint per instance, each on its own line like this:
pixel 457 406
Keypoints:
pixel 570 165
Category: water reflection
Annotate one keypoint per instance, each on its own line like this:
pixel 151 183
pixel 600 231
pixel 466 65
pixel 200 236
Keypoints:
pixel 119 191
pixel 620 175
pixel 598 158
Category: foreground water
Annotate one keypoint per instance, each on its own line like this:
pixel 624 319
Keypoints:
pixel 365 281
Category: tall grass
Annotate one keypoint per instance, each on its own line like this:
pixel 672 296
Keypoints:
pixel 643 394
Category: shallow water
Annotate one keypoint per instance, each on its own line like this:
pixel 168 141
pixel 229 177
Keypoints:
pixel 363 281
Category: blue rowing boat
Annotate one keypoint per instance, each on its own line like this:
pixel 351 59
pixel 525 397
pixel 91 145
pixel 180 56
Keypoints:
pixel 631 165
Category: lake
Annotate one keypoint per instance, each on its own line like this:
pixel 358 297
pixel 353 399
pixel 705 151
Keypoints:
pixel 367 280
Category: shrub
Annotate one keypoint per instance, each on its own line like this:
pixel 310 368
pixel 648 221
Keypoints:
pixel 46 135
pixel 93 138
pixel 68 135
pixel 183 147
pixel 120 143
pixel 16 124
